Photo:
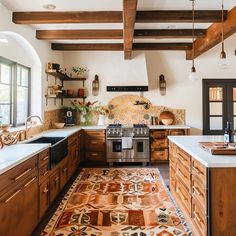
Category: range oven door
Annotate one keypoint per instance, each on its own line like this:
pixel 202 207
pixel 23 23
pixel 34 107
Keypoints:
pixel 141 149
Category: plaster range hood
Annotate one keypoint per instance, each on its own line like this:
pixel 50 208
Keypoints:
pixel 129 76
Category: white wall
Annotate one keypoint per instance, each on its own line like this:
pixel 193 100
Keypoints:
pixel 24 48
pixel 181 93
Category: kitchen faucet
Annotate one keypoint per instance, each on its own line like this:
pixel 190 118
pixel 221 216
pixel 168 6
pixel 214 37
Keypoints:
pixel 28 127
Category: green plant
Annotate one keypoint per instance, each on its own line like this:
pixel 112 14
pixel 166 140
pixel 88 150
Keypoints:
pixel 82 107
pixel 80 70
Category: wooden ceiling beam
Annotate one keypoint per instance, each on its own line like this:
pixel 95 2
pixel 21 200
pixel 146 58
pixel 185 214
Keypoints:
pixel 119 46
pixel 79 34
pixel 168 33
pixel 180 16
pixel 129 16
pixel 46 17
pixel 213 35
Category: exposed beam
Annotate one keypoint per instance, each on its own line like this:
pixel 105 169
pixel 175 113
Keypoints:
pixel 46 17
pixel 87 47
pixel 129 16
pixel 119 46
pixel 79 34
pixel 202 16
pixel 213 35
pixel 162 46
pixel 168 33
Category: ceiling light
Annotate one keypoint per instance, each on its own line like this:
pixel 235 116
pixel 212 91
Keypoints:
pixel 223 63
pixel 3 38
pixel 193 76
pixel 49 7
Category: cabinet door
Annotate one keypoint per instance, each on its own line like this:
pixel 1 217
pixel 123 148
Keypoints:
pixel 54 185
pixel 44 199
pixel 64 171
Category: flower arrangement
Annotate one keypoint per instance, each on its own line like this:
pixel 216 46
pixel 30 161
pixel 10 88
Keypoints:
pixel 82 107
pixel 101 110
pixel 79 70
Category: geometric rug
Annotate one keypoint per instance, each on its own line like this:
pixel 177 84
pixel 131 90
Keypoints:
pixel 116 202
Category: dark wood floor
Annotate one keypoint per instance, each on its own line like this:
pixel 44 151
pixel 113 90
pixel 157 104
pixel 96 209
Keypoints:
pixel 163 168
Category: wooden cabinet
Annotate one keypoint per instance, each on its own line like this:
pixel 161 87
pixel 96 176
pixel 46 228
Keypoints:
pixel 64 173
pixel 54 184
pixel 95 145
pixel 44 198
pixel 72 154
pixel 159 143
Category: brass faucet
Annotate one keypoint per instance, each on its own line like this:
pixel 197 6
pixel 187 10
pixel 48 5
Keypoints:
pixel 28 124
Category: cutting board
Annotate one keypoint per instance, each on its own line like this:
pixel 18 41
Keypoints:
pixel 218 148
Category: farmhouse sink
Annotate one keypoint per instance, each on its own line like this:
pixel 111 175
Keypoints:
pixel 58 149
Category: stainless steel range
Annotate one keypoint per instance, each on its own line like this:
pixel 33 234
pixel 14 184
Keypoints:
pixel 127 144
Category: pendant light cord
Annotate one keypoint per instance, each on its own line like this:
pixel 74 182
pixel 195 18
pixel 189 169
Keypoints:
pixel 193 13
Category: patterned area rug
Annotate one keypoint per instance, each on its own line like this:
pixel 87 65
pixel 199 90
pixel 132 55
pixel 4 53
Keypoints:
pixel 116 202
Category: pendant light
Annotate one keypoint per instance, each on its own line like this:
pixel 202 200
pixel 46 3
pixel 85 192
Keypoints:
pixel 95 86
pixel 223 63
pixel 193 74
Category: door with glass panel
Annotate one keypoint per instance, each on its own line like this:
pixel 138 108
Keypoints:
pixel 219 105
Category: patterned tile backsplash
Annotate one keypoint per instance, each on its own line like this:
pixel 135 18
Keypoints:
pixel 132 109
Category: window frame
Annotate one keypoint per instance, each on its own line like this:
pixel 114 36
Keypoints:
pixel 13 89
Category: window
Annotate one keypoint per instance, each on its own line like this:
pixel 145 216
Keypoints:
pixel 219 105
pixel 14 92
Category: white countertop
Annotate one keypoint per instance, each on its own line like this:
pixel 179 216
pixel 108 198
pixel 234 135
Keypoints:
pixel 13 155
pixel 190 144
pixel 169 127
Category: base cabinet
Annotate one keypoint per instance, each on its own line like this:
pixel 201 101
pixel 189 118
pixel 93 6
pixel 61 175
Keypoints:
pixel 44 198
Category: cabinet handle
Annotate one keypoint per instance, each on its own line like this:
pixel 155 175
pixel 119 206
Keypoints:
pixel 56 179
pixel 32 180
pixel 196 189
pixel 182 173
pixel 198 217
pixel 45 158
pixel 22 174
pixel 94 154
pixel 45 173
pixel 182 158
pixel 181 194
pixel 94 142
pixel 12 196
pixel 65 169
pixel 45 190
pixel 199 172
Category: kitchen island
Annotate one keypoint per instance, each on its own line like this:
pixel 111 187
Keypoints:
pixel 203 185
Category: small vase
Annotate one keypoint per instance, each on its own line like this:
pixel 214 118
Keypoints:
pixel 86 118
pixel 101 120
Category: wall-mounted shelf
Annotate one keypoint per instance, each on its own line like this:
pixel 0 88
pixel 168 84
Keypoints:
pixel 63 78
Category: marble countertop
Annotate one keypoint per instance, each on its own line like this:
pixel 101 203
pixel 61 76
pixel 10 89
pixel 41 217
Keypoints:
pixel 190 144
pixel 13 155
pixel 169 127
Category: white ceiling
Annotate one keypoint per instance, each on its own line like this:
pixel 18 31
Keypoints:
pixel 116 5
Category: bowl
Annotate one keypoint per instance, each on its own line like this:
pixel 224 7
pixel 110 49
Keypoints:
pixel 167 117
pixel 59 125
pixel 167 121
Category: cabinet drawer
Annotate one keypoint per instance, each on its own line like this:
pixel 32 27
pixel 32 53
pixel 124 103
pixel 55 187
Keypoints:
pixel 95 145
pixel 199 192
pixel 183 196
pixel 176 132
pixel 199 218
pixel 184 175
pixel 159 134
pixel 95 156
pixel 18 173
pixel 44 158
pixel 159 155
pixel 44 172
pixel 199 170
pixel 184 157
pixel 159 143
pixel 94 134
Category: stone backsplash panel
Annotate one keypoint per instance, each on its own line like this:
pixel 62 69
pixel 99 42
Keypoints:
pixel 122 109
pixel 51 117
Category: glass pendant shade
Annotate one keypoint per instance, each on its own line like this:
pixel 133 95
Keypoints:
pixel 223 62
pixel 95 86
pixel 193 74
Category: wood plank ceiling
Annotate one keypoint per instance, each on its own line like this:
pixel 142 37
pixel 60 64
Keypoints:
pixel 204 38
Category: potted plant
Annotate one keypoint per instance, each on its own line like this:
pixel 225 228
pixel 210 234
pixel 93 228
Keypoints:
pixel 80 70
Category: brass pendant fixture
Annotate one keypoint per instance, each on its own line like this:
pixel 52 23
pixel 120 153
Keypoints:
pixel 193 74
pixel 95 86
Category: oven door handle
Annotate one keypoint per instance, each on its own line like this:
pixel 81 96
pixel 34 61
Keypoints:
pixel 141 138
pixel 114 138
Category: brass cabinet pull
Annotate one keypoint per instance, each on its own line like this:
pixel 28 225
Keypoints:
pixel 22 174
pixel 94 154
pixel 198 217
pixel 182 157
pixel 45 190
pixel 65 169
pixel 181 194
pixel 45 173
pixel 182 173
pixel 12 196
pixel 197 190
pixel 32 180
pixel 197 170
pixel 94 142
pixel 45 158
pixel 56 179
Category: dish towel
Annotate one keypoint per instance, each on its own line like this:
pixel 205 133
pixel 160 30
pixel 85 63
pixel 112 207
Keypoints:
pixel 127 143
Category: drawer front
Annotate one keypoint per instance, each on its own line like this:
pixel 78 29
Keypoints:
pixel 183 196
pixel 177 132
pixel 94 134
pixel 184 175
pixel 95 156
pixel 159 155
pixel 159 134
pixel 95 145
pixel 199 170
pixel 44 199
pixel 199 192
pixel 18 173
pixel 44 158
pixel 159 143
pixel 199 218
pixel 44 172
pixel 184 157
